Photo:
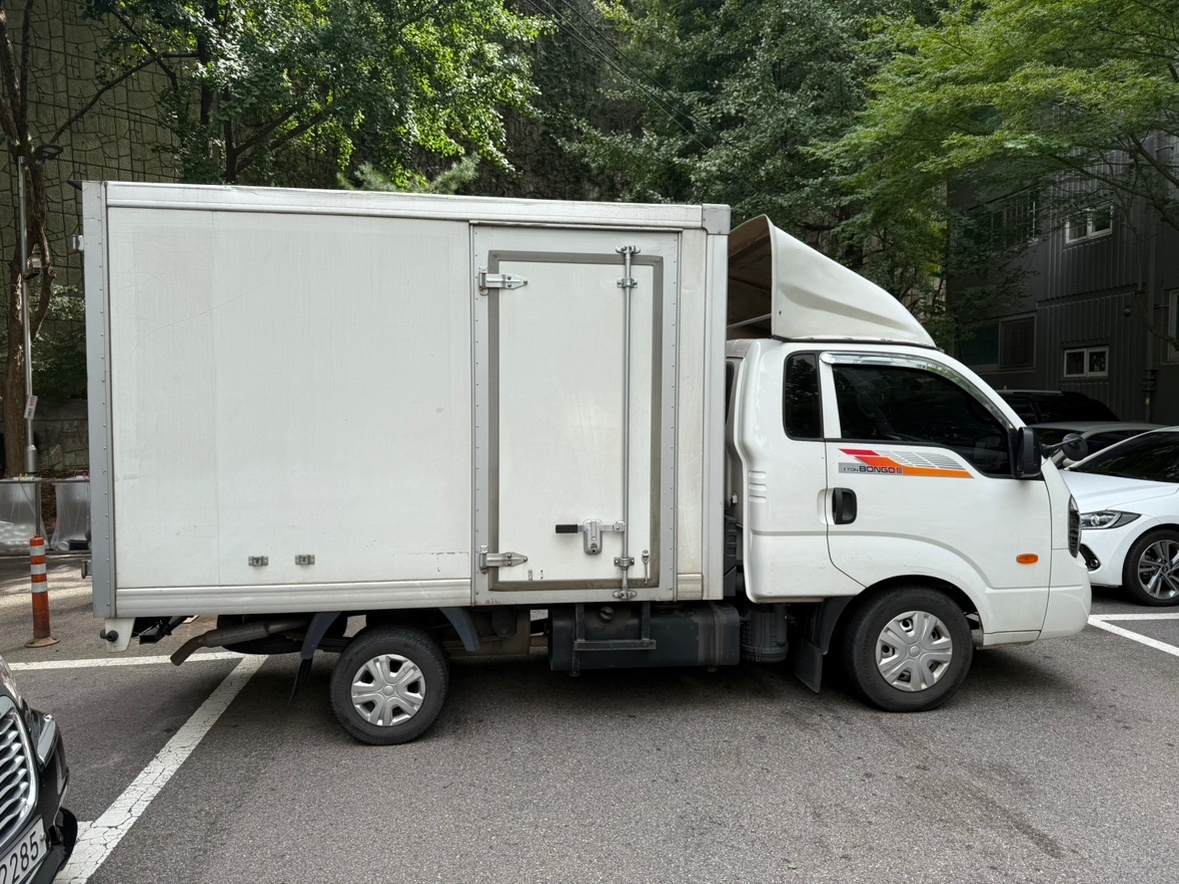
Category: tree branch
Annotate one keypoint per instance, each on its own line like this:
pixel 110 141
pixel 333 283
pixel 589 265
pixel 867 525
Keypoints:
pixel 37 211
pixel 11 107
pixel 94 99
pixel 264 132
pixel 302 128
pixel 26 34
pixel 147 47
pixel 1162 169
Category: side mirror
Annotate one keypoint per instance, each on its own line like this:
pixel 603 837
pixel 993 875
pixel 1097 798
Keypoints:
pixel 1074 447
pixel 1028 460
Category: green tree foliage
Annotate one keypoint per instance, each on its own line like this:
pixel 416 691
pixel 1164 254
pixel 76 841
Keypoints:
pixel 1072 102
pixel 250 81
pixel 369 177
pixel 59 369
pixel 734 92
pixel 571 72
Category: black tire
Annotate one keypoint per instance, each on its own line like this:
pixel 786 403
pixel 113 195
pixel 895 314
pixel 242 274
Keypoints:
pixel 948 631
pixel 358 666
pixel 1145 559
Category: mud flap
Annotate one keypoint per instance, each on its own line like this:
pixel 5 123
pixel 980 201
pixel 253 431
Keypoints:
pixel 815 640
pixel 316 630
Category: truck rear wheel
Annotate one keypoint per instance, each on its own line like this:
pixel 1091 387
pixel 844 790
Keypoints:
pixel 389 685
pixel 908 649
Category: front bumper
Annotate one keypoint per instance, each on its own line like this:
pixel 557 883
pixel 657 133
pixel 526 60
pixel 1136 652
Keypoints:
pixel 1110 546
pixel 53 776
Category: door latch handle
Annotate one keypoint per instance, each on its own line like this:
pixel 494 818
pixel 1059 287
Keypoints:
pixel 591 530
pixel 843 506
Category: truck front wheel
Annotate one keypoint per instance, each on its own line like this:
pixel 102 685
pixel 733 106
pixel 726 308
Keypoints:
pixel 389 684
pixel 908 649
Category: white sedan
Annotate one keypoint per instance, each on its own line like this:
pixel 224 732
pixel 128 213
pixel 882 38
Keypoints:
pixel 1128 495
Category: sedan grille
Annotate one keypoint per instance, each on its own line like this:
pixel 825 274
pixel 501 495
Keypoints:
pixel 1074 529
pixel 16 774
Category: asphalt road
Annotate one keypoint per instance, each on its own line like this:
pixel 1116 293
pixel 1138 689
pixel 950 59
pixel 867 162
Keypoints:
pixel 1055 762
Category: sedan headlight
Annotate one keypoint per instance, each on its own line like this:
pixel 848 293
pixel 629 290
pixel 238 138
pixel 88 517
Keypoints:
pixel 1107 519
pixel 9 682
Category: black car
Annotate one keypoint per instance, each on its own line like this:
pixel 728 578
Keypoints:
pixel 1054 406
pixel 37 834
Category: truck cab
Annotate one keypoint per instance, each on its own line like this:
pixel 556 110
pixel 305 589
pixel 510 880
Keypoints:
pixel 862 463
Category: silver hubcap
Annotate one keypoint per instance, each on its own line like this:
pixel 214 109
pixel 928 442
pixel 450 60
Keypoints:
pixel 1158 569
pixel 914 651
pixel 388 690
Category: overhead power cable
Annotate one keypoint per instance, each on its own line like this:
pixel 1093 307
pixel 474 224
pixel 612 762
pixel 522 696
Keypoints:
pixel 672 112
pixel 629 62
pixel 671 103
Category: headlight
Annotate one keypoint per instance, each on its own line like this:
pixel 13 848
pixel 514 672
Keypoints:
pixel 1107 519
pixel 10 683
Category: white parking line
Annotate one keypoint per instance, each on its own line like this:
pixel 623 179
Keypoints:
pixel 21 598
pixel 117 661
pixel 1105 618
pixel 101 837
pixel 1133 636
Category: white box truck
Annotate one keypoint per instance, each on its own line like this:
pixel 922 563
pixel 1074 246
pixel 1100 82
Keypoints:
pixel 619 432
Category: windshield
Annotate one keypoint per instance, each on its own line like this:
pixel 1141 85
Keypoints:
pixel 1153 456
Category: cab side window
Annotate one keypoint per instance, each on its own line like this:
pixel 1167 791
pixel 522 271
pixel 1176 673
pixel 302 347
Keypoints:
pixel 910 405
pixel 801 409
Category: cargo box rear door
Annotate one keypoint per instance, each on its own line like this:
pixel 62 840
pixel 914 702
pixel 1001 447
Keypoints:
pixel 574 388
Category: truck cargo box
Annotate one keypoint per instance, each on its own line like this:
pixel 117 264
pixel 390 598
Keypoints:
pixel 306 401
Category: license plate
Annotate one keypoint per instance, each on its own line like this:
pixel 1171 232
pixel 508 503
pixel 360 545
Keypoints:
pixel 22 860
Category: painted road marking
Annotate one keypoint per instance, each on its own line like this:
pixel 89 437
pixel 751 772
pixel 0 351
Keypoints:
pixel 118 661
pixel 1100 623
pixel 17 599
pixel 1107 617
pixel 103 835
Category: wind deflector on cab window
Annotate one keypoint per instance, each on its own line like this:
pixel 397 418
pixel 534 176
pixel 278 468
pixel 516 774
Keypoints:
pixel 800 294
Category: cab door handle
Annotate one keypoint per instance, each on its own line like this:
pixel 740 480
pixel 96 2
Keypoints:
pixel 843 506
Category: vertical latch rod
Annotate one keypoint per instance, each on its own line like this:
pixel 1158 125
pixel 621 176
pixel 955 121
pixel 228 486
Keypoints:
pixel 627 284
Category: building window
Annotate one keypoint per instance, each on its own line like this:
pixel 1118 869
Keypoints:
pixel 980 349
pixel 1086 362
pixel 1019 219
pixel 1089 224
pixel 1017 343
pixel 1173 326
pixel 1003 224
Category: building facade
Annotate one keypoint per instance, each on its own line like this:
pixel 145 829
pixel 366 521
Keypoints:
pixel 1097 314
pixel 118 138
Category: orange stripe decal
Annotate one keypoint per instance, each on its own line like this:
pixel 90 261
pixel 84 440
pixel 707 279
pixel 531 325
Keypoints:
pixel 874 462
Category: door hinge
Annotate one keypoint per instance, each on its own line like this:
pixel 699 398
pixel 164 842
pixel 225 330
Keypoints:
pixel 499 560
pixel 489 281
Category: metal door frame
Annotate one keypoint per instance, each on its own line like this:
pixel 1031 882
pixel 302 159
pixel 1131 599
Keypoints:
pixel 586 250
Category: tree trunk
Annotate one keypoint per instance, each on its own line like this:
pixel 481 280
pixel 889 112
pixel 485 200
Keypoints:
pixel 14 376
